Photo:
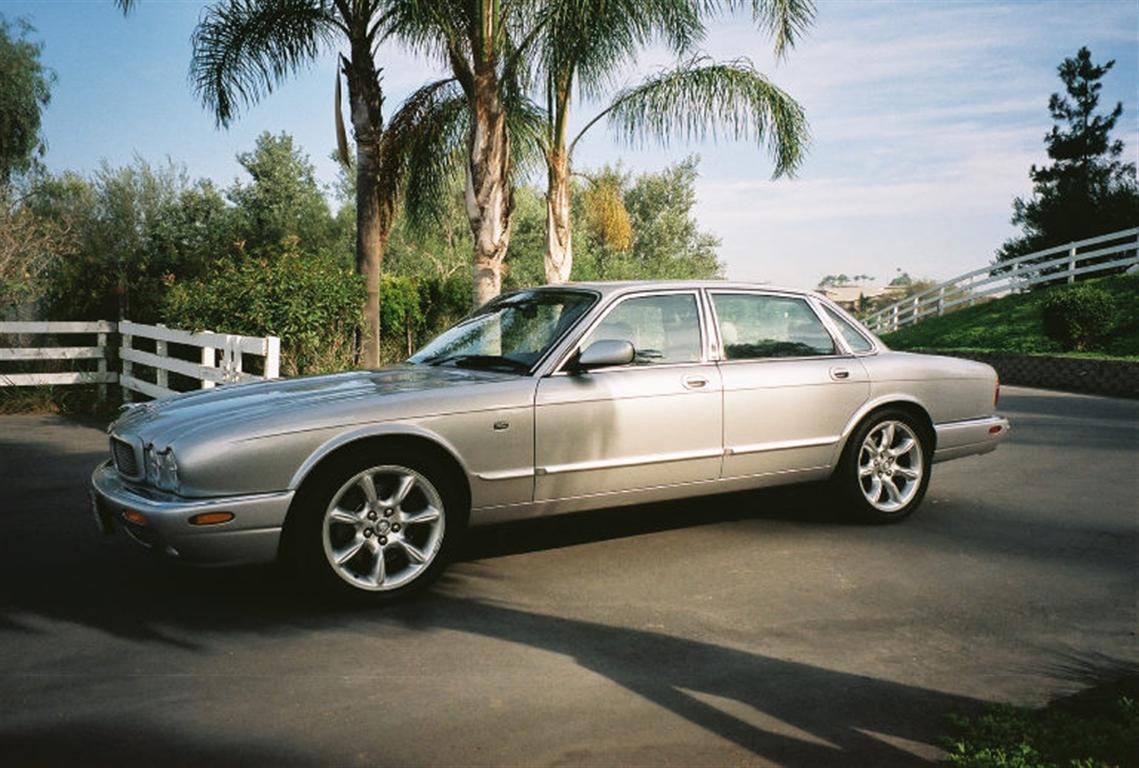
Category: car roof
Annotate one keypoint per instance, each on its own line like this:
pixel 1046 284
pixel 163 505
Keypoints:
pixel 609 288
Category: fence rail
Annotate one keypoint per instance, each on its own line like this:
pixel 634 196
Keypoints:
pixel 207 370
pixel 219 357
pixel 1117 250
pixel 100 329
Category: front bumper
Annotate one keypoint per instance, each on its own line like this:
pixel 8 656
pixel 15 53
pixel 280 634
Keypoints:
pixel 252 536
pixel 968 438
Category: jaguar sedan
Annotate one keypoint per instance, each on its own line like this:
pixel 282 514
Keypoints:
pixel 543 401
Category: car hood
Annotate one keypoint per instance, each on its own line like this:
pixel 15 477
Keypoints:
pixel 257 409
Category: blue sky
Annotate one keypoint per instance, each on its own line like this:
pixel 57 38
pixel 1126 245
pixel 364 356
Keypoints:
pixel 925 118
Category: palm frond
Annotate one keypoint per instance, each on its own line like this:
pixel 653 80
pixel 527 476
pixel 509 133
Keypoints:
pixel 430 27
pixel 243 48
pixel 423 150
pixel 526 126
pixel 785 20
pixel 589 40
pixel 703 99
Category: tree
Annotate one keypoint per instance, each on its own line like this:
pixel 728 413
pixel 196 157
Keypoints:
pixel 283 201
pixel 486 44
pixel 25 89
pixel 127 233
pixel 658 239
pixel 1087 190
pixel 242 49
pixel 587 42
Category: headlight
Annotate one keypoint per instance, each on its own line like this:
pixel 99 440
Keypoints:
pixel 161 468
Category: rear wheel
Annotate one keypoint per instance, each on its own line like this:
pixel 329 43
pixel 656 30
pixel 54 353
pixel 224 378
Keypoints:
pixel 379 525
pixel 886 468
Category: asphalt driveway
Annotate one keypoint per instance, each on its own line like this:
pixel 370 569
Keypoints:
pixel 755 628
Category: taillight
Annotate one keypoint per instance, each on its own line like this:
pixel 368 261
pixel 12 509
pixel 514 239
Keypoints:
pixel 997 392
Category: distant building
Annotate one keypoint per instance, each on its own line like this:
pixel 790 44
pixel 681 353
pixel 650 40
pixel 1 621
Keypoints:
pixel 847 296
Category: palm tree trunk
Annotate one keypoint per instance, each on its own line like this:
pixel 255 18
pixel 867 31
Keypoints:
pixel 371 237
pixel 373 221
pixel 559 236
pixel 488 196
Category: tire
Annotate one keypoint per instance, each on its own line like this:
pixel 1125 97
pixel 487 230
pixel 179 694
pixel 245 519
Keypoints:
pixel 885 468
pixel 378 524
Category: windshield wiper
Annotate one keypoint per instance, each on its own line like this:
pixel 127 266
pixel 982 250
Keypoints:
pixel 482 361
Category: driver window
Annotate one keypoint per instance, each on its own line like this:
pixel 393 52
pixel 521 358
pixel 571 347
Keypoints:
pixel 663 329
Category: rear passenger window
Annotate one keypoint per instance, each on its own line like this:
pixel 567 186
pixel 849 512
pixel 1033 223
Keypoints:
pixel 663 329
pixel 854 338
pixel 757 326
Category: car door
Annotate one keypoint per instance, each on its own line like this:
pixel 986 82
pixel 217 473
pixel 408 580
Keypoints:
pixel 789 386
pixel 654 422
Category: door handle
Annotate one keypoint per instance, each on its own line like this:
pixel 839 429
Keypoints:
pixel 695 382
pixel 840 373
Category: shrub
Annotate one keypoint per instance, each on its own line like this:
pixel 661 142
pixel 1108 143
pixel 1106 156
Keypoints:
pixel 314 303
pixel 413 310
pixel 1091 730
pixel 1077 315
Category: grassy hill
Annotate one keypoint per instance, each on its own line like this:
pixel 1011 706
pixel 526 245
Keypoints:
pixel 1015 324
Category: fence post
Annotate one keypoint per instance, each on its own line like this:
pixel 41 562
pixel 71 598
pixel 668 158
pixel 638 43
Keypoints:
pixel 940 301
pixel 914 311
pixel 128 367
pixel 101 342
pixel 894 318
pixel 161 377
pixel 272 357
pixel 208 360
pixel 1072 264
pixel 231 357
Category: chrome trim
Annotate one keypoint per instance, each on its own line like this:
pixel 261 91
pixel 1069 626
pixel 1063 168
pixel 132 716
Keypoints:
pixel 505 474
pixel 658 458
pixel 781 445
pixel 135 444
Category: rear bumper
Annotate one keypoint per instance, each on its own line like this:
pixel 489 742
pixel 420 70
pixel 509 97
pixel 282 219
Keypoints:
pixel 252 536
pixel 968 438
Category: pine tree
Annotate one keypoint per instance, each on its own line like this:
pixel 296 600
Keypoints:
pixel 1087 190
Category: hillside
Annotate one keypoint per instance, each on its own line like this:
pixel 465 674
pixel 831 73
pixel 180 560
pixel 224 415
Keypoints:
pixel 1014 324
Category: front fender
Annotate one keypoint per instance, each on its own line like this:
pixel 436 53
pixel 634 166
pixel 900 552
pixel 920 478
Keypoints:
pixel 371 431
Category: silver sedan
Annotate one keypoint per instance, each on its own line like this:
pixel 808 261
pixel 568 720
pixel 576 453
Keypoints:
pixel 543 401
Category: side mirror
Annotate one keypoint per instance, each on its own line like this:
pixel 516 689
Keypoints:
pixel 606 352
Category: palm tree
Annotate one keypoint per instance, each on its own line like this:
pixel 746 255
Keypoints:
pixel 486 44
pixel 586 41
pixel 242 49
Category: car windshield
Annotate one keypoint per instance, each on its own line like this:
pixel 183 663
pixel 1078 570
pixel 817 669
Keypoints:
pixel 510 333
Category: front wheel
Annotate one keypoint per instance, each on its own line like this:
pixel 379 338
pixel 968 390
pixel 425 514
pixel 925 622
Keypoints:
pixel 886 468
pixel 377 526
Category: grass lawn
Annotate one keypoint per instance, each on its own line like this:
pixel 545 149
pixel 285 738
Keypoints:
pixel 1015 324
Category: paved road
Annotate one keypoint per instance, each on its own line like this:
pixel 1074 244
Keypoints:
pixel 749 629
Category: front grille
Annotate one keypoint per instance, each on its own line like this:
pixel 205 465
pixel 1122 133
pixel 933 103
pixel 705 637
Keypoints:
pixel 126 462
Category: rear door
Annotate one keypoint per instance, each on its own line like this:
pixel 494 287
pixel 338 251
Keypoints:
pixel 789 386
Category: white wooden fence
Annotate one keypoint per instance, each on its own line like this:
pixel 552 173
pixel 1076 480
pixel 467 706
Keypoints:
pixel 1112 252
pixel 99 329
pixel 219 356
